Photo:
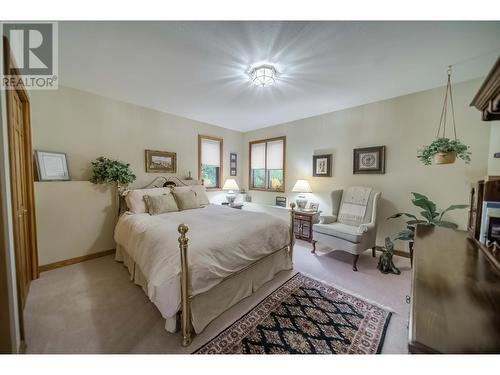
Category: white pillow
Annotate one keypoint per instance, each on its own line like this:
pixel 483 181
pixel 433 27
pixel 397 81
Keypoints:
pixel 135 198
pixel 201 194
pixel 199 190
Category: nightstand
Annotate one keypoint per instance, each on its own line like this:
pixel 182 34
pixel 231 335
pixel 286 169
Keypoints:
pixel 304 221
pixel 238 206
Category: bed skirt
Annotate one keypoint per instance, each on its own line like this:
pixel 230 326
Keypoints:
pixel 207 306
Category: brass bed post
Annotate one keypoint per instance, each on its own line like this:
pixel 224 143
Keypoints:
pixel 292 229
pixel 185 297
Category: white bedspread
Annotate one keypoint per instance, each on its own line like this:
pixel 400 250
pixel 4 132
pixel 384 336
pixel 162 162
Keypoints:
pixel 222 241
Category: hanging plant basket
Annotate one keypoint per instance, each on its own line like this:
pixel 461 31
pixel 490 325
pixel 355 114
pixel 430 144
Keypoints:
pixel 445 157
pixel 444 150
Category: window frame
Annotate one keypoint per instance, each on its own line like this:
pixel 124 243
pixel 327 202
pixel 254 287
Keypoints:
pixel 201 137
pixel 250 176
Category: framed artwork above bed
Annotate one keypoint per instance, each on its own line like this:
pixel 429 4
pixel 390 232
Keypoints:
pixel 161 161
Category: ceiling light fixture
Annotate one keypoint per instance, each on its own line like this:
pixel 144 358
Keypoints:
pixel 263 75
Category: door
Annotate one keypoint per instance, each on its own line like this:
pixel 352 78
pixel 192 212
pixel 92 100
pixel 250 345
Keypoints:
pixel 19 176
pixel 21 180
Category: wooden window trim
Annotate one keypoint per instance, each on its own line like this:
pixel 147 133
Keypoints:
pixel 221 140
pixel 250 182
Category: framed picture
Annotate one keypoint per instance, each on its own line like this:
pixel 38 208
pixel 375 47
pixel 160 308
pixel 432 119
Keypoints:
pixel 313 206
pixel 233 164
pixel 322 165
pixel 281 201
pixel 369 160
pixel 161 161
pixel 51 166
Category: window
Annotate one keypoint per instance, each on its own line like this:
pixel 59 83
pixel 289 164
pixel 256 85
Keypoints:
pixel 267 164
pixel 210 161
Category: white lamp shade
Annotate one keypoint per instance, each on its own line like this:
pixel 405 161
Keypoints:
pixel 302 186
pixel 230 184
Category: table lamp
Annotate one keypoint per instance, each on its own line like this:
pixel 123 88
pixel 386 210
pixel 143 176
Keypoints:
pixel 231 186
pixel 301 186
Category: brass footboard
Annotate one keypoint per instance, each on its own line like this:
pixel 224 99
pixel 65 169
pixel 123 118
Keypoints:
pixel 186 325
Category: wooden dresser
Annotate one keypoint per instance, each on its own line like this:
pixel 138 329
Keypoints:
pixel 455 302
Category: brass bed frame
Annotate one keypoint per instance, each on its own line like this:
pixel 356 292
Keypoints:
pixel 186 325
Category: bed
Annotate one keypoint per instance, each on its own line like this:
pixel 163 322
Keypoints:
pixel 195 264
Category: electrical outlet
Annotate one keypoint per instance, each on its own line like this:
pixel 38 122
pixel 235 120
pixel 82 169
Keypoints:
pixel 496 155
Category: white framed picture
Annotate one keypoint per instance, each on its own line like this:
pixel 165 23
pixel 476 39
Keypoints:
pixel 313 206
pixel 51 166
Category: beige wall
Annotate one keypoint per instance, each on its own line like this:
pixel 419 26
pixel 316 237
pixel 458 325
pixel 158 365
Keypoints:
pixel 494 164
pixel 403 125
pixel 86 126
pixel 73 219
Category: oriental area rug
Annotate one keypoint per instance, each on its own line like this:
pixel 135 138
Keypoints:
pixel 305 316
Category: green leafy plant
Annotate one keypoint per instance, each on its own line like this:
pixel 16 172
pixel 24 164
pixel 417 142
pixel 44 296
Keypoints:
pixel 107 171
pixel 444 145
pixel 429 214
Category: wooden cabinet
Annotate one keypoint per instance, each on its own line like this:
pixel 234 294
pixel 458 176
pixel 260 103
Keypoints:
pixel 484 191
pixel 303 224
pixel 487 100
pixel 455 295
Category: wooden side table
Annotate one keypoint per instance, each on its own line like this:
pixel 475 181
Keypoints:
pixel 304 221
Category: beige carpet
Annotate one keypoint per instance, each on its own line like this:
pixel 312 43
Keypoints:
pixel 92 307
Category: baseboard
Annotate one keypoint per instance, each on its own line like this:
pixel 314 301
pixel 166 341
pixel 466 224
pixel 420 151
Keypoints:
pixel 399 253
pixel 67 262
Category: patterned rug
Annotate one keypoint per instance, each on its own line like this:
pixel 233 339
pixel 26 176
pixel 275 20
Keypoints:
pixel 305 316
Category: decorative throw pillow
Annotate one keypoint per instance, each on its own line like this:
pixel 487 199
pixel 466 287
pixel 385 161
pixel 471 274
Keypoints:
pixel 186 199
pixel 201 194
pixel 199 190
pixel 160 204
pixel 135 198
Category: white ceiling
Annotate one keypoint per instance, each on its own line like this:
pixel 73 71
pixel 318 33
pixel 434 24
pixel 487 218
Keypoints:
pixel 197 69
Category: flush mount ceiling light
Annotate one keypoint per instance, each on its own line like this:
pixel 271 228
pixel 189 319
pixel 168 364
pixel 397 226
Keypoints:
pixel 263 75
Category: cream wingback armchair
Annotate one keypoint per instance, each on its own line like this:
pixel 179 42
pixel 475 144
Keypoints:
pixel 353 224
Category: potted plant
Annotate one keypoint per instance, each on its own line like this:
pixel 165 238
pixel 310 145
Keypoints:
pixel 429 217
pixel 107 171
pixel 444 151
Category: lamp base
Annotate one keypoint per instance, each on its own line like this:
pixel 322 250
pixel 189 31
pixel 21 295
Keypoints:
pixel 230 197
pixel 301 202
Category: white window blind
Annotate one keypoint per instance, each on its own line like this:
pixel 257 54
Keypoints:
pixel 258 156
pixel 210 152
pixel 275 154
pixel 267 164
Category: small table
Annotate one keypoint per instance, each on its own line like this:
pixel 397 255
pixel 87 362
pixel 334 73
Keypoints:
pixel 238 206
pixel 304 221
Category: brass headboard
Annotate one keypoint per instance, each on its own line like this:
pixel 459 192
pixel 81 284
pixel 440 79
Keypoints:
pixel 158 182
